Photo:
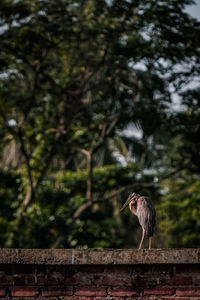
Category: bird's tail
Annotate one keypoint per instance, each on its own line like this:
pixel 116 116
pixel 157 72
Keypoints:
pixel 150 226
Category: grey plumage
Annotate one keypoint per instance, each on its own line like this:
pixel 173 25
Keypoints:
pixel 143 208
pixel 146 215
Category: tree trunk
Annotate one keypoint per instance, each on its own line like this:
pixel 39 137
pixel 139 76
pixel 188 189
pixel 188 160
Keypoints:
pixel 90 176
pixel 30 194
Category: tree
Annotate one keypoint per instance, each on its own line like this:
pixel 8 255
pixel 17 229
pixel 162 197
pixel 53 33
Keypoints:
pixel 179 220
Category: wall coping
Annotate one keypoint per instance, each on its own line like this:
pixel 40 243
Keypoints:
pixel 99 256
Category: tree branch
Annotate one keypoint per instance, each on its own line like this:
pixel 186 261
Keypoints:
pixel 97 68
pixel 114 194
pixel 30 190
pixel 87 204
pixel 105 132
pixel 89 156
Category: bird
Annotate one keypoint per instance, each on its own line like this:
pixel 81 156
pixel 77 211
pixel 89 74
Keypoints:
pixel 143 208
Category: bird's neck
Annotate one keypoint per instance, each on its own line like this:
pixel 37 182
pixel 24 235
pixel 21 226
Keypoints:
pixel 133 208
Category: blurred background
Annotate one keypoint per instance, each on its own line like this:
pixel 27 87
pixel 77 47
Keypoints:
pixel 98 99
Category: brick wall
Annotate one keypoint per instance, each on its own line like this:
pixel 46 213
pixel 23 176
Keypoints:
pixel 92 274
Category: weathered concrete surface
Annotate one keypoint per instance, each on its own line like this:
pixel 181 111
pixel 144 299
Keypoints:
pixel 99 257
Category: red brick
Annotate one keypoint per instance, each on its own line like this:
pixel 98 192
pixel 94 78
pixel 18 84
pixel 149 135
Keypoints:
pixel 142 298
pixel 90 291
pixel 7 280
pixel 112 281
pixel 39 279
pixel 188 291
pixel 144 281
pixel 160 291
pixel 43 278
pixel 30 279
pixel 58 277
pixel 89 269
pixel 71 280
pixel 181 280
pixel 21 275
pixel 19 279
pixel 30 298
pixel 150 280
pixel 75 298
pixel 188 269
pixel 57 291
pixel 2 292
pixel 123 292
pixel 81 278
pixel 107 298
pixel 118 270
pixel 175 298
pixel 95 269
pixel 24 291
pixel 196 280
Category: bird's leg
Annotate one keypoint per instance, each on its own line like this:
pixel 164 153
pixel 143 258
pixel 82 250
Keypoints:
pixel 143 233
pixel 149 242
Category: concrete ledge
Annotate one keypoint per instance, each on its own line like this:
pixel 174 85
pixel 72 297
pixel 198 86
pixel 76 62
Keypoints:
pixel 99 257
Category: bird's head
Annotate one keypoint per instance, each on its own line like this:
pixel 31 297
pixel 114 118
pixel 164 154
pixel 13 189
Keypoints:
pixel 131 198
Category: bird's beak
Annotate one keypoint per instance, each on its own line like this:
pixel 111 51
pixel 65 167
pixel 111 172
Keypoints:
pixel 125 204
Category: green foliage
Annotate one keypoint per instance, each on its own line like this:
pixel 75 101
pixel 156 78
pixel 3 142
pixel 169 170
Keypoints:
pixel 50 217
pixel 179 213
